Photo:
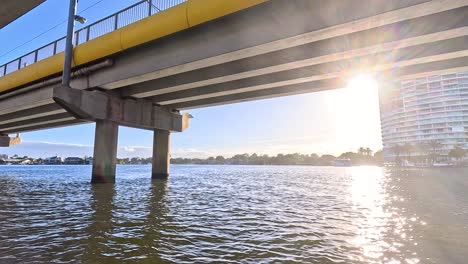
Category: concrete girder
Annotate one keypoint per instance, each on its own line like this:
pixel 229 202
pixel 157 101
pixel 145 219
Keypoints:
pixel 241 86
pixel 244 62
pixel 409 47
pixel 335 80
pixel 35 112
pixel 413 70
pixel 370 64
pixel 37 121
pixel 319 85
pixel 42 97
pixel 52 124
pixel 146 67
pixel 138 113
pixel 276 20
pixel 324 51
pixel 254 95
pixel 28 100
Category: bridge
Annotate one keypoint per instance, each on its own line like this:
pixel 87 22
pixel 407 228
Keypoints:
pixel 142 66
pixel 11 10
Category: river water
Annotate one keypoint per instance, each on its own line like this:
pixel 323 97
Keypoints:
pixel 234 214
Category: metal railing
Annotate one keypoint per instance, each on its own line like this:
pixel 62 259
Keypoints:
pixel 127 16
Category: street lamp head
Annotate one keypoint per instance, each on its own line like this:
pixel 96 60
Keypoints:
pixel 80 19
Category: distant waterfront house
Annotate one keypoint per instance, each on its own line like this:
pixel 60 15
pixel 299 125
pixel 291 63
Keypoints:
pixel 11 161
pixel 342 163
pixel 25 162
pixel 88 160
pixel 53 160
pixel 74 161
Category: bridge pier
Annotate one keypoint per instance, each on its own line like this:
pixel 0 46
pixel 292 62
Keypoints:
pixel 7 141
pixel 105 152
pixel 161 155
pixel 109 111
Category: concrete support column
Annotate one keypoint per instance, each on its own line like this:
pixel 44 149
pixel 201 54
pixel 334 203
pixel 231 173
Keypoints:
pixel 105 152
pixel 161 156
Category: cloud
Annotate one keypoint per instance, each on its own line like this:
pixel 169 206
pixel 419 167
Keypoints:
pixel 48 149
pixel 129 149
pixel 192 153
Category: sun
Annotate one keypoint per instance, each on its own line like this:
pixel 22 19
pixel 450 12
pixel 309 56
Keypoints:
pixel 362 81
pixel 360 91
pixel 354 111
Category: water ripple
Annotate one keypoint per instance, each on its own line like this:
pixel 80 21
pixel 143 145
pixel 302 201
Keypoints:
pixel 232 214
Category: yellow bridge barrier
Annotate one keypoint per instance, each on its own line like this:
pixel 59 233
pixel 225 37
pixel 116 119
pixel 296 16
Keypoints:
pixel 172 20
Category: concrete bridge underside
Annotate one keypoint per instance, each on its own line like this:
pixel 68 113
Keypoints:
pixel 12 9
pixel 274 49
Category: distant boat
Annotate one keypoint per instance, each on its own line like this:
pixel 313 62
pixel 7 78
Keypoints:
pixel 442 165
pixel 342 163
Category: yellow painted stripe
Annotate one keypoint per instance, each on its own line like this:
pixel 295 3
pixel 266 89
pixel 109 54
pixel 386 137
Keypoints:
pixel 162 24
pixel 172 20
pixel 201 11
pixel 32 72
pixel 97 48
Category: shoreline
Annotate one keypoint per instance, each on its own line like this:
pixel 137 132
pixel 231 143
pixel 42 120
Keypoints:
pixel 258 165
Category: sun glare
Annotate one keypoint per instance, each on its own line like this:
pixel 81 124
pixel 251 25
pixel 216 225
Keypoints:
pixel 361 89
pixel 363 81
pixel 355 113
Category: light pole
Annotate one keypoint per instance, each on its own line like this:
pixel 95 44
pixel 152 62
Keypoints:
pixel 67 65
pixel 69 44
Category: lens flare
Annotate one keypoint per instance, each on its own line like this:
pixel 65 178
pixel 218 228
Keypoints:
pixel 365 81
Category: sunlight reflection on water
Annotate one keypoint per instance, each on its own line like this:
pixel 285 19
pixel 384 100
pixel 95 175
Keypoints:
pixel 249 214
pixel 370 196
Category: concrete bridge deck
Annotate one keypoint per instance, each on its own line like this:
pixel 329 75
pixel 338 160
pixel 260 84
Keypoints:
pixel 274 48
pixel 10 10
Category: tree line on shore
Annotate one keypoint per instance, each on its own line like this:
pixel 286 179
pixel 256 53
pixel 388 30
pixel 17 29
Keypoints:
pixel 356 158
pixel 364 156
pixel 427 152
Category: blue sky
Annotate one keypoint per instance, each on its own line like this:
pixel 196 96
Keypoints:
pixel 325 122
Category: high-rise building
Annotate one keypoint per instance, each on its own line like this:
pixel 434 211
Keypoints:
pixel 423 111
